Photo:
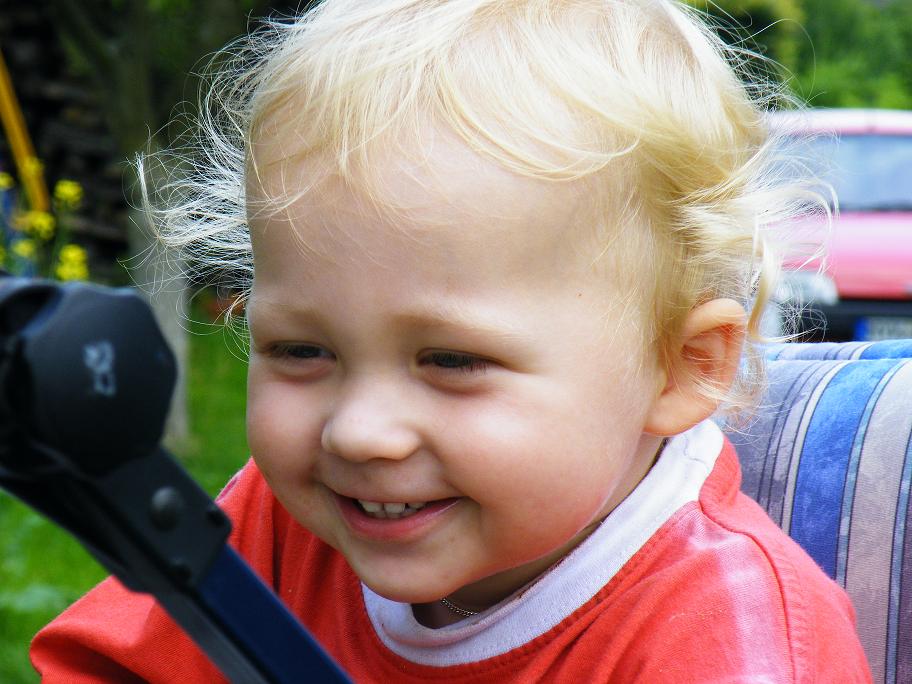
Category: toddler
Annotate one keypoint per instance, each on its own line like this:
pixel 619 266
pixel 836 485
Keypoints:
pixel 499 255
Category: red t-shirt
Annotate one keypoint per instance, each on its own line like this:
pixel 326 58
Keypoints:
pixel 716 593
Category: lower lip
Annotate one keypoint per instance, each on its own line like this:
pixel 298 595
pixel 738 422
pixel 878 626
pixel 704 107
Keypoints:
pixel 393 529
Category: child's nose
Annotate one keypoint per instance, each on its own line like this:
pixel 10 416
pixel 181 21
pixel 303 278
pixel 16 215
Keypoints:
pixel 369 422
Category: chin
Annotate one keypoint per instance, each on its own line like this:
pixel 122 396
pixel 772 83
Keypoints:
pixel 404 588
pixel 401 594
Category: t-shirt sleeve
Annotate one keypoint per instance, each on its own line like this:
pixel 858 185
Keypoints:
pixel 113 634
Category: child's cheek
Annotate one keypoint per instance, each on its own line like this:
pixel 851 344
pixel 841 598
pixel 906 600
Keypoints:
pixel 279 433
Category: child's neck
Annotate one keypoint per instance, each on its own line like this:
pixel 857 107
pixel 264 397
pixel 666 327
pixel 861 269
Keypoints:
pixel 435 615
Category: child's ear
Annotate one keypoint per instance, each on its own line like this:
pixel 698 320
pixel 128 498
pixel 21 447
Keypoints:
pixel 706 358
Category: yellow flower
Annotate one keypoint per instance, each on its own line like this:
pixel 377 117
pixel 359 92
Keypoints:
pixel 72 264
pixel 39 224
pixel 6 181
pixel 68 193
pixel 25 248
pixel 71 271
pixel 72 254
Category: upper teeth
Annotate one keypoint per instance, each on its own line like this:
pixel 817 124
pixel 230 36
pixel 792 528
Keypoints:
pixel 390 510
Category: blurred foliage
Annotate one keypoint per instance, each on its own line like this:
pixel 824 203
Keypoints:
pixel 858 54
pixel 832 53
pixel 141 55
pixel 772 28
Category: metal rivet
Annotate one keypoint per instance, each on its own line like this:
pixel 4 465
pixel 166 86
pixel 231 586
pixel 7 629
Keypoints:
pixel 166 508
pixel 215 516
pixel 180 568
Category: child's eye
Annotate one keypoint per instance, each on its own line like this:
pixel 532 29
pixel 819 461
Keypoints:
pixel 456 361
pixel 298 351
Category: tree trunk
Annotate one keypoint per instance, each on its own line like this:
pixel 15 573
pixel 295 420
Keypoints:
pixel 159 280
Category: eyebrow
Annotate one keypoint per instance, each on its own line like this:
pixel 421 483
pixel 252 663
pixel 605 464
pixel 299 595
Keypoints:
pixel 438 316
pixel 456 318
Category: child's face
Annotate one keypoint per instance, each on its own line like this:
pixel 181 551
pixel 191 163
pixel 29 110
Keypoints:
pixel 463 354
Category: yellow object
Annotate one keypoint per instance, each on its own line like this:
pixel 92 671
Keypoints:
pixel 39 224
pixel 6 181
pixel 30 170
pixel 73 264
pixel 71 272
pixel 68 193
pixel 73 254
pixel 26 249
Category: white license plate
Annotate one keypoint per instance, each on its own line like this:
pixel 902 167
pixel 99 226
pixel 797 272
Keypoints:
pixel 875 328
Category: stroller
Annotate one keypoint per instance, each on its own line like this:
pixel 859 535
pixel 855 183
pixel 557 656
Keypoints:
pixel 86 380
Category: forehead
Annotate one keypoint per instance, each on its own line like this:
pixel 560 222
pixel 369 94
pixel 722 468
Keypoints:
pixel 431 189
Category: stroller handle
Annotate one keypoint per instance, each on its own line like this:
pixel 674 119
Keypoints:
pixel 86 379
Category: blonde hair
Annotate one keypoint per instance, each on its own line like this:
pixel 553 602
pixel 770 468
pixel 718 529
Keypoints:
pixel 637 97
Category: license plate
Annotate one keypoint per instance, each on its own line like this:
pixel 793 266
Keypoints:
pixel 875 328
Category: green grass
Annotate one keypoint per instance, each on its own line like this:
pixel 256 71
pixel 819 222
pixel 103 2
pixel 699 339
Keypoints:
pixel 216 395
pixel 43 569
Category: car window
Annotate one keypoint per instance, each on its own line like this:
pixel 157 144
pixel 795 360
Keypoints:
pixel 868 172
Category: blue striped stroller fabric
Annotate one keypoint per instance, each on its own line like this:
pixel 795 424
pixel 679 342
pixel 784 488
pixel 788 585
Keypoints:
pixel 888 349
pixel 830 459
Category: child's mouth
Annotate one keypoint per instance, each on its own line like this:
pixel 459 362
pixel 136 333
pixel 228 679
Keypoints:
pixel 389 511
pixel 393 521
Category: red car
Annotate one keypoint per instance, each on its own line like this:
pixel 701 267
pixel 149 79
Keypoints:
pixel 865 290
